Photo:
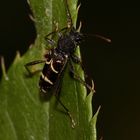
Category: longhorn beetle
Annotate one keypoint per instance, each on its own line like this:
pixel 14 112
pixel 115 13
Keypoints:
pixel 57 59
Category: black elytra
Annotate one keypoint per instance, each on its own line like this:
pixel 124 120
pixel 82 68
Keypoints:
pixel 57 59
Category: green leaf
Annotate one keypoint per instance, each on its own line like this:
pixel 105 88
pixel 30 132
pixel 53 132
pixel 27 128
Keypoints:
pixel 23 115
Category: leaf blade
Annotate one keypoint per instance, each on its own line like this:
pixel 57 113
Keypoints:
pixel 29 117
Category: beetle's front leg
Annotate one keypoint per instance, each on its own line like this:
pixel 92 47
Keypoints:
pixel 49 40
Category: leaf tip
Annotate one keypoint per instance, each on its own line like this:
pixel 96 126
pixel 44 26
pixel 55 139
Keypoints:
pixel 94 118
pixel 17 57
pixel 32 18
pixel 88 102
pixel 31 46
pixel 3 67
pixel 79 28
pixel 28 2
pixel 92 87
pixel 78 7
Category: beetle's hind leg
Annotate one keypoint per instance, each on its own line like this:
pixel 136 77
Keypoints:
pixel 67 111
pixel 57 91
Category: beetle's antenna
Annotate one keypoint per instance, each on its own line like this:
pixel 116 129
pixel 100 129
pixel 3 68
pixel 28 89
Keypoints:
pixel 69 19
pixel 108 40
pixel 102 37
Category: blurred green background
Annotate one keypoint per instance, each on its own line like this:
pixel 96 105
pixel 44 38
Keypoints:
pixel 114 67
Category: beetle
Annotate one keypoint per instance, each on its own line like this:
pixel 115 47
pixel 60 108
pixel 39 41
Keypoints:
pixel 57 59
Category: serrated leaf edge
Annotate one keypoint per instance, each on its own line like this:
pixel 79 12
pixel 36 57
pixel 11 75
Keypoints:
pixel 3 68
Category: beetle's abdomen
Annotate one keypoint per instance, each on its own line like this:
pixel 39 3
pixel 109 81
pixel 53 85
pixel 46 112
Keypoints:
pixel 50 74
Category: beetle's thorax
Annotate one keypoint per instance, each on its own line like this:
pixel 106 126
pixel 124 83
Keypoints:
pixel 68 42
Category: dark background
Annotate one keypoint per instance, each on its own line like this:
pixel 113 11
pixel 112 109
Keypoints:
pixel 114 67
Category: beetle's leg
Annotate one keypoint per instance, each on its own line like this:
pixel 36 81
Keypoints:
pixel 57 91
pixel 64 29
pixel 67 111
pixel 50 41
pixel 77 77
pixel 76 59
pixel 31 64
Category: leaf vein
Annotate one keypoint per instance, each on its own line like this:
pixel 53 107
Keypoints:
pixel 28 92
pixel 11 124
